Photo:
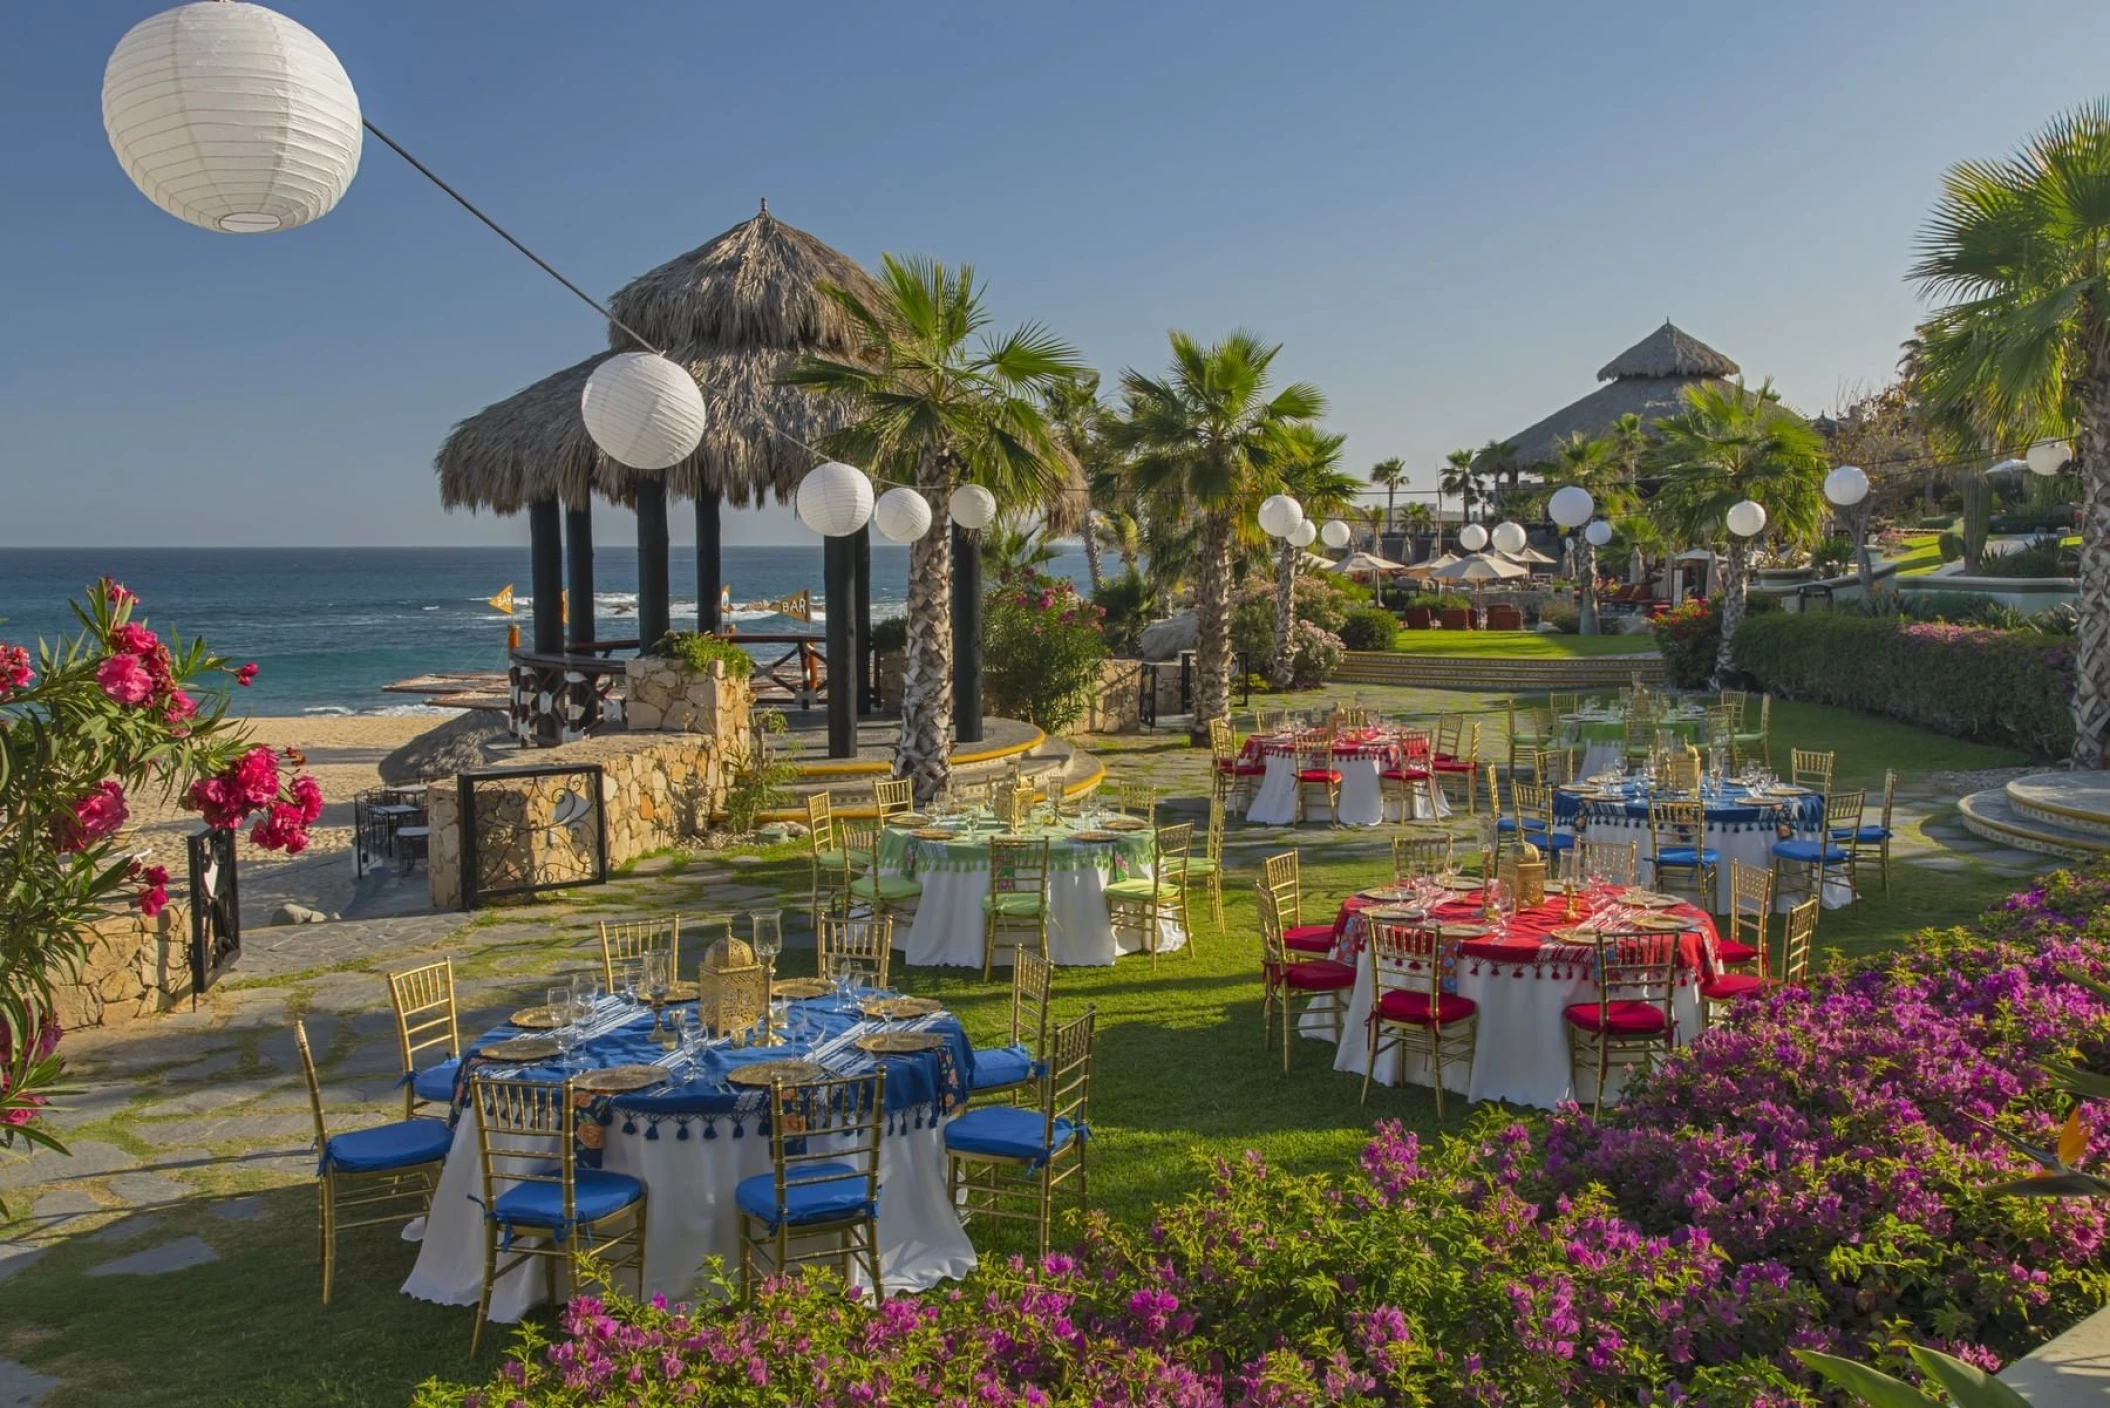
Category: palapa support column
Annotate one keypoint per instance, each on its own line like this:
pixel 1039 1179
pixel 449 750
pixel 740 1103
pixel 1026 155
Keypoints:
pixel 652 608
pixel 546 549
pixel 838 570
pixel 861 572
pixel 578 567
pixel 966 637
pixel 710 569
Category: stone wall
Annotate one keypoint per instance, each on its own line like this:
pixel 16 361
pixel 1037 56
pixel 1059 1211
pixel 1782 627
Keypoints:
pixel 137 967
pixel 666 696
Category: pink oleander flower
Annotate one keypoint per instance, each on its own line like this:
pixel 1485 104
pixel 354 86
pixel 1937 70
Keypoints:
pixel 218 800
pixel 245 675
pixel 95 817
pixel 114 592
pixel 255 777
pixel 281 829
pixel 125 679
pixel 133 639
pixel 180 706
pixel 153 896
pixel 307 796
pixel 15 672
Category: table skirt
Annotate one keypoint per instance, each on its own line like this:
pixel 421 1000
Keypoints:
pixel 947 931
pixel 1751 845
pixel 1362 794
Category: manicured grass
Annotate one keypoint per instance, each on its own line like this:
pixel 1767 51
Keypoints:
pixel 1922 554
pixel 1522 645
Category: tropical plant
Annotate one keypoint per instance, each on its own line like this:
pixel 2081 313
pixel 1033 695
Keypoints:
pixel 699 649
pixel 1121 531
pixel 1496 461
pixel 1389 474
pixel 1730 444
pixel 1592 465
pixel 1306 464
pixel 1015 544
pixel 1042 647
pixel 937 404
pixel 1203 438
pixel 1462 477
pixel 1127 604
pixel 1078 421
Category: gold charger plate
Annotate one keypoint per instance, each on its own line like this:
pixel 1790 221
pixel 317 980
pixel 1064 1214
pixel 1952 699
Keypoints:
pixel 1096 837
pixel 908 819
pixel 1460 883
pixel 931 833
pixel 1647 899
pixel 521 1048
pixel 901 1009
pixel 1384 894
pixel 1658 924
pixel 1394 911
pixel 614 1080
pixel 1464 931
pixel 767 1073
pixel 800 988
pixel 535 1019
pixel 1127 823
pixel 1576 934
pixel 899 1043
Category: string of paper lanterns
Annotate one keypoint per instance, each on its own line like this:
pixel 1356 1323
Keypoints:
pixel 1335 534
pixel 835 499
pixel 902 515
pixel 1508 538
pixel 643 411
pixel 1279 515
pixel 1304 534
pixel 1472 537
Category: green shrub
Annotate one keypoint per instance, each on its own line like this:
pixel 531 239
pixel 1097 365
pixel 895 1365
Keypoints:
pixel 1998 686
pixel 1369 628
pixel 1689 638
pixel 891 634
pixel 2041 558
pixel 1949 544
pixel 1832 556
pixel 697 650
pixel 1127 604
pixel 1939 521
pixel 1562 616
pixel 1041 651
pixel 2037 518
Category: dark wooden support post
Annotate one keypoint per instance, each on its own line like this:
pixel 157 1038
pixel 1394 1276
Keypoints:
pixel 966 636
pixel 578 569
pixel 546 545
pixel 651 559
pixel 861 574
pixel 710 570
pixel 838 570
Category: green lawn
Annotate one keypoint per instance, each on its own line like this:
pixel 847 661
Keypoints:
pixel 1522 645
pixel 1922 554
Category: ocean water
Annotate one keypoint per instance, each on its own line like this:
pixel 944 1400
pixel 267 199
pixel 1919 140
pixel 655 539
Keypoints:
pixel 330 626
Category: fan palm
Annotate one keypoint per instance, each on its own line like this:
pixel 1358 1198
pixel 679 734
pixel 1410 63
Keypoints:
pixel 1204 434
pixel 1588 464
pixel 1078 422
pixel 1729 444
pixel 1461 476
pixel 939 404
pixel 1307 464
pixel 1389 474
pixel 2021 248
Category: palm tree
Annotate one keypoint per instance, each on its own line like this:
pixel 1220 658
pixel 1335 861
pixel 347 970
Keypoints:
pixel 1204 434
pixel 1730 444
pixel 1626 446
pixel 2021 247
pixel 1120 530
pixel 1494 462
pixel 1078 422
pixel 1460 477
pixel 1389 474
pixel 939 404
pixel 1015 545
pixel 1306 463
pixel 1419 519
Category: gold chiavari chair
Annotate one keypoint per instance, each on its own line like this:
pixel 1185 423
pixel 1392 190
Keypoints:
pixel 1007 1070
pixel 829 858
pixel 1421 851
pixel 823 1182
pixel 1409 1010
pixel 538 1203
pixel 1756 742
pixel 1288 975
pixel 1450 734
pixel 1527 733
pixel 1737 702
pixel 389 1170
pixel 1720 732
pixel 1799 936
pixel 426 1020
pixel 1226 781
pixel 1717 993
pixel 1207 868
pixel 869 941
pixel 1456 767
pixel 1744 946
pixel 1315 768
pixel 1630 1022
pixel 1874 838
pixel 1563 707
pixel 1812 768
pixel 1534 812
pixel 893 795
pixel 1143 904
pixel 882 896
pixel 1017 898
pixel 1283 876
pixel 1614 861
pixel 630 942
pixel 1550 767
pixel 1677 835
pixel 1640 733
pixel 1137 799
pixel 1819 859
pixel 1007 1161
pixel 1410 779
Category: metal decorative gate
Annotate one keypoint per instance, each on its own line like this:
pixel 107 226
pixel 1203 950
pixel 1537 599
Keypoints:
pixel 526 830
pixel 215 908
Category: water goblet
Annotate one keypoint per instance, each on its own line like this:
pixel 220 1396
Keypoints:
pixel 557 1001
pixel 658 983
pixel 678 1027
pixel 626 981
pixel 567 1034
pixel 586 987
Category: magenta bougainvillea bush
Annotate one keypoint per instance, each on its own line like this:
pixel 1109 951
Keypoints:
pixel 1810 1176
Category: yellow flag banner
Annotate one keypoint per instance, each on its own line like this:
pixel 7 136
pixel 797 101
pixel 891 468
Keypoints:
pixel 504 600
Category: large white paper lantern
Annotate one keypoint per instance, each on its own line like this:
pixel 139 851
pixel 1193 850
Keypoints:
pixel 835 499
pixel 642 410
pixel 1278 514
pixel 901 515
pixel 1598 533
pixel 1571 506
pixel 1508 537
pixel 232 117
pixel 1472 537
pixel 1846 486
pixel 2048 457
pixel 973 507
pixel 1304 534
pixel 1335 533
pixel 1746 519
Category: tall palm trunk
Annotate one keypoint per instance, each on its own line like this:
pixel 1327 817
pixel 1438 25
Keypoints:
pixel 1732 592
pixel 1091 554
pixel 925 751
pixel 1586 586
pixel 1212 615
pixel 1285 615
pixel 2091 644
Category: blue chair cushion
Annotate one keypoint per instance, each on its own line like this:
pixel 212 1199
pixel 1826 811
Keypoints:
pixel 818 1193
pixel 404 1144
pixel 1553 841
pixel 996 1068
pixel 1686 855
pixel 1868 835
pixel 1508 825
pixel 436 1083
pixel 596 1194
pixel 1810 852
pixel 1008 1132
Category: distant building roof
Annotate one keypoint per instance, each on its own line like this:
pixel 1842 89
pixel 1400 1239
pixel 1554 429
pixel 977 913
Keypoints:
pixel 1648 379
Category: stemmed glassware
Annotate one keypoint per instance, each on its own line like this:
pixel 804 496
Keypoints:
pixel 658 983
pixel 564 1012
pixel 766 927
pixel 627 980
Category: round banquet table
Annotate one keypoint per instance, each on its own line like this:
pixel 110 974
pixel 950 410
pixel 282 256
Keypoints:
pixel 954 873
pixel 1740 826
pixel 691 1144
pixel 1358 757
pixel 1601 734
pixel 1521 984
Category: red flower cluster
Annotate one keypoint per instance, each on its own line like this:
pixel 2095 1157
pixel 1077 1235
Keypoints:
pixel 246 675
pixel 47 1041
pixel 15 672
pixel 94 817
pixel 138 670
pixel 251 786
pixel 153 896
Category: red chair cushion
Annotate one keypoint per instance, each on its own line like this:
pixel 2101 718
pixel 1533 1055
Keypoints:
pixel 1309 938
pixel 1319 775
pixel 1732 985
pixel 1456 765
pixel 1621 1018
pixel 1319 975
pixel 1402 1006
pixel 1234 767
pixel 1405 774
pixel 1733 952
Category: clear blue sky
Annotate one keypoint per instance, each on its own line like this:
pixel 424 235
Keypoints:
pixel 1450 214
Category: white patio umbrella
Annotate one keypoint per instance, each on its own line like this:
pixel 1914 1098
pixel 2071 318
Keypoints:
pixel 1361 564
pixel 1531 556
pixel 1481 567
pixel 1430 564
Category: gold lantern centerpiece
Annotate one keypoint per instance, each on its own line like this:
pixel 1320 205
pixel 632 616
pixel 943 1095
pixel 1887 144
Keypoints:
pixel 732 987
pixel 1526 876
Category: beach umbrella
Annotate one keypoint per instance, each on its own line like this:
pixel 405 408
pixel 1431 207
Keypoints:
pixel 1530 556
pixel 1430 564
pixel 1481 567
pixel 1358 564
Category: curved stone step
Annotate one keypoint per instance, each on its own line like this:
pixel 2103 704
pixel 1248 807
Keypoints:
pixel 2074 801
pixel 1989 815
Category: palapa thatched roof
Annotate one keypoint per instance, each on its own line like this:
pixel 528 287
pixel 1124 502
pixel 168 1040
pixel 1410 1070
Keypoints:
pixel 1648 379
pixel 737 312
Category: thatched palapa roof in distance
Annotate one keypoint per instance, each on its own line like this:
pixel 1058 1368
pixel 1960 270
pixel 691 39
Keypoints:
pixel 736 312
pixel 1648 379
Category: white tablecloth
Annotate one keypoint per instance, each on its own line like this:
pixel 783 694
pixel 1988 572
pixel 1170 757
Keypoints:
pixel 1362 792
pixel 948 925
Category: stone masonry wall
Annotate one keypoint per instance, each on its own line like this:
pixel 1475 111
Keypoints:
pixel 136 968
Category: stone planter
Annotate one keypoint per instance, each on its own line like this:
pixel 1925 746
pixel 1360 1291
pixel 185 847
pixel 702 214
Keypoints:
pixel 666 696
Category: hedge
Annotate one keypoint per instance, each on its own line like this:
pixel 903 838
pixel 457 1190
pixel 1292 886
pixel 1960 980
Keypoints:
pixel 1995 686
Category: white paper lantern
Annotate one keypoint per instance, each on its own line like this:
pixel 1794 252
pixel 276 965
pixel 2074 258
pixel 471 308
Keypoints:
pixel 232 117
pixel 1278 514
pixel 1846 486
pixel 1508 537
pixel 642 410
pixel 1335 534
pixel 1472 537
pixel 973 507
pixel 1598 533
pixel 835 499
pixel 1305 534
pixel 1746 519
pixel 1571 506
pixel 2048 457
pixel 901 515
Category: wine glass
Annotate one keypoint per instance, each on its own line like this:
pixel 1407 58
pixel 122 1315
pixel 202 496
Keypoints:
pixel 586 990
pixel 626 981
pixel 658 983
pixel 557 1001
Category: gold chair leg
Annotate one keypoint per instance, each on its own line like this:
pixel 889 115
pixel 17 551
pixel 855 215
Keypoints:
pixel 328 1220
pixel 483 1296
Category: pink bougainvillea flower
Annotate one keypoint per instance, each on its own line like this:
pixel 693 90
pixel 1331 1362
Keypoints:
pixel 125 679
pixel 94 817
pixel 245 676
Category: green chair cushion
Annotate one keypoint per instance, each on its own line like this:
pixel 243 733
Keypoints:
pixel 885 887
pixel 1142 890
pixel 833 860
pixel 1020 905
pixel 1198 865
